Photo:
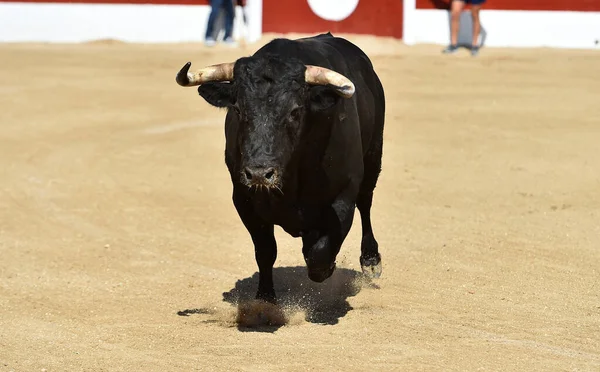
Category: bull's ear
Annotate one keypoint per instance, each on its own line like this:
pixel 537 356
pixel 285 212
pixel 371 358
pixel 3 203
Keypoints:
pixel 217 94
pixel 323 98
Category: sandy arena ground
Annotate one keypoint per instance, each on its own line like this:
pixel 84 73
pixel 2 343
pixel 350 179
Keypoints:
pixel 120 249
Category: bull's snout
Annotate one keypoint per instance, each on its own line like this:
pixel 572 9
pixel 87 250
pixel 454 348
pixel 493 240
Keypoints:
pixel 260 176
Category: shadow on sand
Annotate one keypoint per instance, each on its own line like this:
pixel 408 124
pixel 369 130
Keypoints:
pixel 298 299
pixel 323 302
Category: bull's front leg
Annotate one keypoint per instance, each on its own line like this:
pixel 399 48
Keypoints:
pixel 265 246
pixel 320 248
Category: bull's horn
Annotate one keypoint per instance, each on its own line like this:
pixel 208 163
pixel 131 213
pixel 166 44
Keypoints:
pixel 221 72
pixel 323 76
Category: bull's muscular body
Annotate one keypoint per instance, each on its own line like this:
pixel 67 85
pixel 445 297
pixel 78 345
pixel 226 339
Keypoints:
pixel 303 156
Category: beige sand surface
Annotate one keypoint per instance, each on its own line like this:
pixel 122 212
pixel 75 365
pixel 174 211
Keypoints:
pixel 120 249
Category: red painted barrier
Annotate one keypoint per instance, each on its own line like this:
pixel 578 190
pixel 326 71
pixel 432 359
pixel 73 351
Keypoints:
pixel 376 17
pixel 547 5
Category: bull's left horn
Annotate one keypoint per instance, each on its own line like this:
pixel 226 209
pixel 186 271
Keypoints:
pixel 220 72
pixel 322 76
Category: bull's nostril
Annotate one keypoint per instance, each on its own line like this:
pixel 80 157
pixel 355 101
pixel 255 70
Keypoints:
pixel 259 175
pixel 248 174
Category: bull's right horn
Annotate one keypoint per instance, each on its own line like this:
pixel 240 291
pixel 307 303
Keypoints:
pixel 220 72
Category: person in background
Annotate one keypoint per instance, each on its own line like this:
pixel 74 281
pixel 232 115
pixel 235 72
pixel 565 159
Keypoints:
pixel 456 8
pixel 216 6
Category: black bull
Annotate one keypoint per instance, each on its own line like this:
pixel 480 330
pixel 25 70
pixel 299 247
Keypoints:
pixel 304 138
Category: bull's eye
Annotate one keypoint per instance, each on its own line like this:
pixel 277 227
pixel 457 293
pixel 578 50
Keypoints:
pixel 295 114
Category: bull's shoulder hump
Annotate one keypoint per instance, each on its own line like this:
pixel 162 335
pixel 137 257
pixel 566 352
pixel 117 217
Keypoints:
pixel 323 44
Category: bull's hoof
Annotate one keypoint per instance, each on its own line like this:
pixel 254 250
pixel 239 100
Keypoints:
pixel 371 267
pixel 320 275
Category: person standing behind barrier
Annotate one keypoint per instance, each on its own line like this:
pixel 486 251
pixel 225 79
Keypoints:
pixel 456 8
pixel 216 6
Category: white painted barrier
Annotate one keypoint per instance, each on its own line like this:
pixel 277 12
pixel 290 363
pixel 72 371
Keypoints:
pixel 143 23
pixel 500 28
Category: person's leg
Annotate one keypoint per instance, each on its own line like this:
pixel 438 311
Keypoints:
pixel 475 8
pixel 456 9
pixel 214 12
pixel 229 15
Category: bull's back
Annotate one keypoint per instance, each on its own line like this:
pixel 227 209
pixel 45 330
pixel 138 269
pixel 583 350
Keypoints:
pixel 370 97
pixel 353 62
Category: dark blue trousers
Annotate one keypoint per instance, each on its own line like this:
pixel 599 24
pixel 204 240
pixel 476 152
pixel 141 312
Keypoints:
pixel 216 6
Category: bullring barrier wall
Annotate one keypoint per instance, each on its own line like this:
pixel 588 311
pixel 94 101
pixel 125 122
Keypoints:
pixel 506 23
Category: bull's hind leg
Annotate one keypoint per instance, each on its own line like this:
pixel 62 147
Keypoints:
pixel 370 259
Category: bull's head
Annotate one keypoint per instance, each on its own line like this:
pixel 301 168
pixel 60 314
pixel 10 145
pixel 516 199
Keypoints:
pixel 271 99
